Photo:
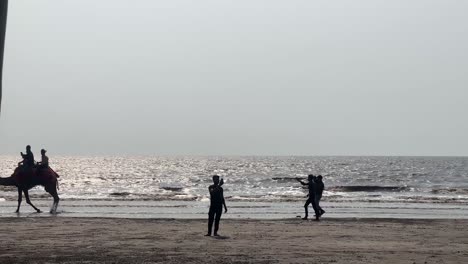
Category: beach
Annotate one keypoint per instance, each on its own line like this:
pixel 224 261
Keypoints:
pixel 117 240
pixel 154 210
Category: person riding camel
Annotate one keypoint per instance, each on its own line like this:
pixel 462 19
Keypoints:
pixel 28 158
pixel 44 163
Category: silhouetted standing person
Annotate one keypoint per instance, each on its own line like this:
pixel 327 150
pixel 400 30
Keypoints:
pixel 311 200
pixel 319 187
pixel 216 205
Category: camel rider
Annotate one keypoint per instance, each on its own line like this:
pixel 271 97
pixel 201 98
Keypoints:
pixel 28 158
pixel 44 163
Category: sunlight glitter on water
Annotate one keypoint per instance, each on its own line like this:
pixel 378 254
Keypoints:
pixel 348 180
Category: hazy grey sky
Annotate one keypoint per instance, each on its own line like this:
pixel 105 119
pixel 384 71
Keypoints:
pixel 272 77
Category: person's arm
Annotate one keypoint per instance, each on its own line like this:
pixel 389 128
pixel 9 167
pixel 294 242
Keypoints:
pixel 303 183
pixel 224 203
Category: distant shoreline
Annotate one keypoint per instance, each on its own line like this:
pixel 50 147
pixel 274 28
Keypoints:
pixel 121 209
pixel 240 156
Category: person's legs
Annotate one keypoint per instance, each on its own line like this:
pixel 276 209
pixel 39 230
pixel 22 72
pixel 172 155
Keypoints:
pixel 211 215
pixel 321 211
pixel 217 219
pixel 306 205
pixel 316 210
pixel 318 205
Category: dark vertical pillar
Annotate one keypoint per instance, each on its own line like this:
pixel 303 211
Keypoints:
pixel 3 21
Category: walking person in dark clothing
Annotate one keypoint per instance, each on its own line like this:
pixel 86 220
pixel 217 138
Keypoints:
pixel 311 199
pixel 319 187
pixel 216 205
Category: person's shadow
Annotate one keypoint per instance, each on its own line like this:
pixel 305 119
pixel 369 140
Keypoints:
pixel 221 237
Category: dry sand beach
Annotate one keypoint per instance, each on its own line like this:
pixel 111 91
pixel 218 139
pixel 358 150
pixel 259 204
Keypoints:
pixel 104 240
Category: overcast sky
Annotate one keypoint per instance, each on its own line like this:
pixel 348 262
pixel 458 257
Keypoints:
pixel 253 77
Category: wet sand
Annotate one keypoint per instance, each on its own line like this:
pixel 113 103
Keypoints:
pixel 104 240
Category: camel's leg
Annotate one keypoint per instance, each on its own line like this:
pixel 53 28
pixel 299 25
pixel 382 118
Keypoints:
pixel 54 194
pixel 20 198
pixel 26 195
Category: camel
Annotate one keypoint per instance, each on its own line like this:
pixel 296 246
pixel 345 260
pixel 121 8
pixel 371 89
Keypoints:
pixel 25 178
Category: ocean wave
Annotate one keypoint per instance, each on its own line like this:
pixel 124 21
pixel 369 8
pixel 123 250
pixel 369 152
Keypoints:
pixel 7 188
pixel 173 189
pixel 450 191
pixel 120 194
pixel 272 198
pixel 286 179
pixel 368 188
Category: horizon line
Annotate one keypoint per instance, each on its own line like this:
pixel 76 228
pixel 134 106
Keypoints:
pixel 242 155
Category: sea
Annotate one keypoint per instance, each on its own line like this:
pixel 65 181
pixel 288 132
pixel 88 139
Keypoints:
pixel 256 187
